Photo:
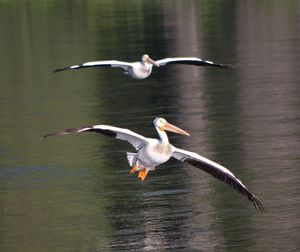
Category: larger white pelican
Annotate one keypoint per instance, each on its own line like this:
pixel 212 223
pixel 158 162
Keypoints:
pixel 153 152
pixel 142 69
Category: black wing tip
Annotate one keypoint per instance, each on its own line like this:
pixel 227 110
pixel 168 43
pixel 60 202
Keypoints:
pixel 45 136
pixel 66 132
pixel 61 133
pixel 60 69
pixel 224 66
pixel 231 181
pixel 219 65
pixel 228 67
pixel 106 132
pixel 74 67
pixel 49 134
pixel 257 204
pixel 207 63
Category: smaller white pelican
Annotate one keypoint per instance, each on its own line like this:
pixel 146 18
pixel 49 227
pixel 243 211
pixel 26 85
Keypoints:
pixel 142 69
pixel 153 152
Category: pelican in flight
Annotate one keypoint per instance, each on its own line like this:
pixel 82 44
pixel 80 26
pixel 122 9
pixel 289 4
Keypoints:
pixel 153 152
pixel 143 68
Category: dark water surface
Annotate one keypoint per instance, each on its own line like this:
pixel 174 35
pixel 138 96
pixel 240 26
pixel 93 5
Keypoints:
pixel 75 193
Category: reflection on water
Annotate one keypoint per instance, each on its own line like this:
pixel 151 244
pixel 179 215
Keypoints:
pixel 76 193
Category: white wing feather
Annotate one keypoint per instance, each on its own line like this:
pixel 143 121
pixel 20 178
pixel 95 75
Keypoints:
pixel 111 63
pixel 190 61
pixel 136 140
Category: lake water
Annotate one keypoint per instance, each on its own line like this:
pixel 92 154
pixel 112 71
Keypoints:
pixel 75 193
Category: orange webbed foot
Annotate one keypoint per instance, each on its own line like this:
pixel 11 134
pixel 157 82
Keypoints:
pixel 143 174
pixel 134 169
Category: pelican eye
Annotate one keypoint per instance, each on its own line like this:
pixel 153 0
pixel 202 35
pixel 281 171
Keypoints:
pixel 162 122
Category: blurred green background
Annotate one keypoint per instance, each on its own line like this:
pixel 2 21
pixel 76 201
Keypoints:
pixel 75 193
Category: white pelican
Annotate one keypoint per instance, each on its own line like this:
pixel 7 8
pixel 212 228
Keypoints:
pixel 142 69
pixel 153 152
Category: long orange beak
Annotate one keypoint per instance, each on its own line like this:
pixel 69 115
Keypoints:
pixel 173 128
pixel 152 62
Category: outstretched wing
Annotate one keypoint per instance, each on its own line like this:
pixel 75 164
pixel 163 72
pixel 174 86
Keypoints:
pixel 137 141
pixel 218 171
pixel 103 63
pixel 190 61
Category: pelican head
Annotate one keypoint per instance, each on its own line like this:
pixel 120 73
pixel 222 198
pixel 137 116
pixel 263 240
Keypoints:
pixel 147 59
pixel 162 125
